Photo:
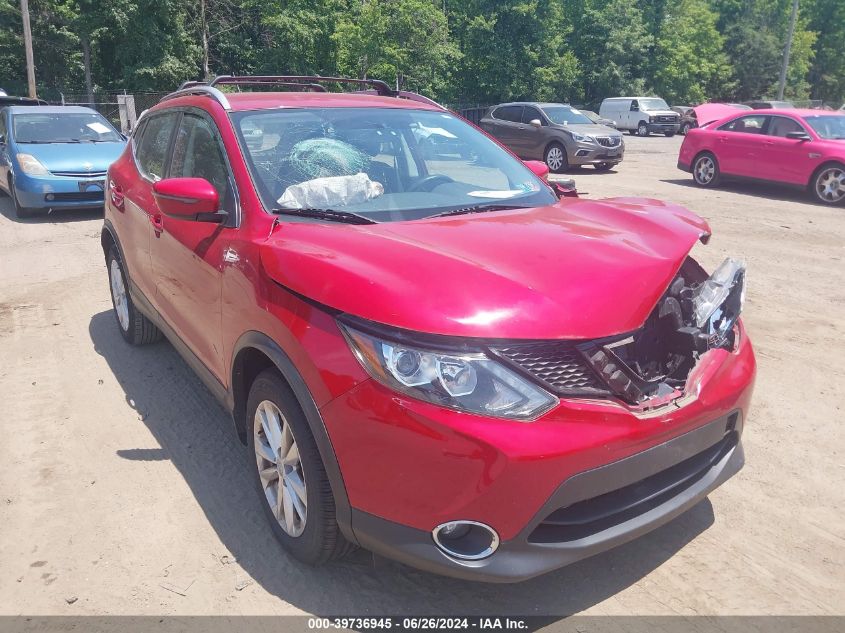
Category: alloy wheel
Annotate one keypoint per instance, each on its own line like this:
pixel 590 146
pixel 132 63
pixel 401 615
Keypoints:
pixel 705 169
pixel 830 185
pixel 554 158
pixel 280 468
pixel 118 295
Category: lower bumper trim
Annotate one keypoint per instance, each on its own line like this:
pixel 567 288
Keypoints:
pixel 520 558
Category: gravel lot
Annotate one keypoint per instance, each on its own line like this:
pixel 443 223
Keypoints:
pixel 122 485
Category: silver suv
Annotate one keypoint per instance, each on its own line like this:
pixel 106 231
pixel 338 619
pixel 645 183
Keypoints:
pixel 555 133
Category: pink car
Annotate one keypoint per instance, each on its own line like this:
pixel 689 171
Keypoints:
pixel 799 148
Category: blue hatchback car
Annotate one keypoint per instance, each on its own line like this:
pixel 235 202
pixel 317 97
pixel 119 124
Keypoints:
pixel 55 157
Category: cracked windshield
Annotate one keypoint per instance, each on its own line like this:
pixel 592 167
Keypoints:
pixel 384 165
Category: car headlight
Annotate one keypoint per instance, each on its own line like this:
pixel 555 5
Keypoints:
pixel 470 382
pixel 31 165
pixel 582 138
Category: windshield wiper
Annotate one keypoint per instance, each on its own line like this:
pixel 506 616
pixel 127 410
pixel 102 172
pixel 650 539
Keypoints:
pixel 332 215
pixel 478 208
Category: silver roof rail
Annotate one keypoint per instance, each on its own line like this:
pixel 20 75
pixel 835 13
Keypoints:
pixel 200 89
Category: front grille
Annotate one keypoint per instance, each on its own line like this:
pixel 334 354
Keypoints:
pixel 77 196
pixel 558 365
pixel 591 516
pixel 80 174
pixel 609 141
pixel 667 119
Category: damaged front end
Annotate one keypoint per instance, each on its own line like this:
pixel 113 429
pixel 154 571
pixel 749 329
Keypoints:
pixel 693 317
pixel 649 367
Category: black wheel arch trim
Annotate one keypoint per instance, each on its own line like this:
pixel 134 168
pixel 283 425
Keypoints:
pixel 272 350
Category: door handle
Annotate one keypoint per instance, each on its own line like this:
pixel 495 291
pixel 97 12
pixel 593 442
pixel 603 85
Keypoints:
pixel 157 220
pixel 116 195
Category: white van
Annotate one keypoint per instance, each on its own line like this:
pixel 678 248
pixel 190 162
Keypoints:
pixel 641 115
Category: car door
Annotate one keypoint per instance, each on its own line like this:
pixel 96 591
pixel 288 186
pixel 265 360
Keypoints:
pixel 188 256
pixel 739 145
pixel 788 160
pixel 632 115
pixel 4 151
pixel 531 143
pixel 131 195
pixel 506 125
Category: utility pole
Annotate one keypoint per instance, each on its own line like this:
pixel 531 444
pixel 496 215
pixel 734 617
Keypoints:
pixel 787 49
pixel 27 41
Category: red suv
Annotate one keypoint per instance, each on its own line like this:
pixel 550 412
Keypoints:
pixel 428 351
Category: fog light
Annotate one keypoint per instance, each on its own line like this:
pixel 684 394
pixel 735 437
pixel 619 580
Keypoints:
pixel 49 197
pixel 582 152
pixel 466 540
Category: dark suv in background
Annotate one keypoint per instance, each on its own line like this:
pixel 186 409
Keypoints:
pixel 555 133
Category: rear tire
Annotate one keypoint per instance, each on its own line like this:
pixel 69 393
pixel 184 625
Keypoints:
pixel 135 328
pixel 556 159
pixel 21 212
pixel 705 170
pixel 285 461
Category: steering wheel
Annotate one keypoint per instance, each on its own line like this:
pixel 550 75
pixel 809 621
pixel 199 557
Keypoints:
pixel 427 183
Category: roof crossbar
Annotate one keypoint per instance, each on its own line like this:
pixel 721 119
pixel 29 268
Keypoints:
pixel 377 84
pixel 310 82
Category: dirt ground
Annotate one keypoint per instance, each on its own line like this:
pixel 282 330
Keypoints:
pixel 122 485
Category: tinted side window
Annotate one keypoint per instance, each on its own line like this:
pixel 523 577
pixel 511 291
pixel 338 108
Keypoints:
pixel 635 105
pixel 508 113
pixel 747 124
pixel 781 126
pixel 529 114
pixel 197 153
pixel 153 144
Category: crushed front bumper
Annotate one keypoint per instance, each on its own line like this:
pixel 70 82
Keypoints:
pixel 588 513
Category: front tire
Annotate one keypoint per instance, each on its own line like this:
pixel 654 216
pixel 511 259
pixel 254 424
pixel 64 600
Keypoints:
pixel 556 159
pixel 135 328
pixel 705 170
pixel 289 474
pixel 828 185
pixel 642 129
pixel 685 129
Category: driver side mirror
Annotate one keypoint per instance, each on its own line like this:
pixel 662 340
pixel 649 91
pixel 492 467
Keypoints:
pixel 536 122
pixel 539 168
pixel 193 199
pixel 798 135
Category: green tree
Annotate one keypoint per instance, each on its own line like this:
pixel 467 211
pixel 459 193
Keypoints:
pixel 513 50
pixel 827 74
pixel 613 46
pixel 690 63
pixel 406 41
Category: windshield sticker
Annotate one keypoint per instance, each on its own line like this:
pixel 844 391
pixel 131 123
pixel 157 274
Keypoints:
pixel 507 193
pixel 98 127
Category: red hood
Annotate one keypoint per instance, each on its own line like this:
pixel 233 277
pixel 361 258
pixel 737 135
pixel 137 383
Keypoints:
pixel 578 269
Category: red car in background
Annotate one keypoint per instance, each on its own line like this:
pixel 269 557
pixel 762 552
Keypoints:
pixel 441 359
pixel 799 148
